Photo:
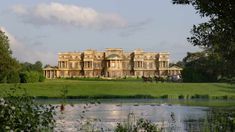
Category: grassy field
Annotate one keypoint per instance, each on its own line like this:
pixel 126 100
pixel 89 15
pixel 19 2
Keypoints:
pixel 125 89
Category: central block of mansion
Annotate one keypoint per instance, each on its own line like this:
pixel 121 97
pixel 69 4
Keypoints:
pixel 113 62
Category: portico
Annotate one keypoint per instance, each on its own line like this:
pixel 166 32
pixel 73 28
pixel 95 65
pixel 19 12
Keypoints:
pixel 113 66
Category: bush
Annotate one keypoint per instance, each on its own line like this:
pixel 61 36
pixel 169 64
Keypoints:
pixel 181 96
pixel 41 78
pixel 13 77
pixel 141 125
pixel 31 77
pixel 23 77
pixel 22 113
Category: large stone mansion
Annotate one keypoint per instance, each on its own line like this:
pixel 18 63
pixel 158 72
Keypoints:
pixel 113 63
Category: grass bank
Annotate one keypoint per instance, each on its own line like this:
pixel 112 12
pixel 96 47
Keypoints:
pixel 126 89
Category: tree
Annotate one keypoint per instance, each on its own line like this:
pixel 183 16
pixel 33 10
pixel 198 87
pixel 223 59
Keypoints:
pixel 8 64
pixel 37 66
pixel 31 72
pixel 202 67
pixel 218 34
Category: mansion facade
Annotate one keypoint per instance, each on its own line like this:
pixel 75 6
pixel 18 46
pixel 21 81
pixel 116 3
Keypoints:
pixel 113 63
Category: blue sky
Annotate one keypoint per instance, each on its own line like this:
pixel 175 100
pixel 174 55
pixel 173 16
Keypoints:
pixel 38 30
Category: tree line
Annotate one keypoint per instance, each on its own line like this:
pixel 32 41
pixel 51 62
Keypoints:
pixel 13 71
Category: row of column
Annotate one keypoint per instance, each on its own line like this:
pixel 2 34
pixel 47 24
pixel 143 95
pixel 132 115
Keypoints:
pixel 114 64
pixel 50 73
pixel 138 64
pixel 63 64
pixel 163 64
pixel 174 72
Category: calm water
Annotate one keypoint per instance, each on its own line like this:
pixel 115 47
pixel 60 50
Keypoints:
pixel 105 116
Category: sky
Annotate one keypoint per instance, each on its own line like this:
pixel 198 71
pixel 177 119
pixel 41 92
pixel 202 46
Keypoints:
pixel 40 29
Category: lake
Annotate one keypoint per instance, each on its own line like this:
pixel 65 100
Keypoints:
pixel 81 115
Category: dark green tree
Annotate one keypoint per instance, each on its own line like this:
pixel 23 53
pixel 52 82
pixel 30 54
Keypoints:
pixel 202 67
pixel 31 72
pixel 218 34
pixel 8 64
pixel 37 66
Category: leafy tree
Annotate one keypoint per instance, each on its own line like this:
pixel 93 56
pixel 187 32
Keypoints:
pixel 218 34
pixel 26 66
pixel 8 64
pixel 202 67
pixel 13 77
pixel 31 72
pixel 37 66
pixel 31 77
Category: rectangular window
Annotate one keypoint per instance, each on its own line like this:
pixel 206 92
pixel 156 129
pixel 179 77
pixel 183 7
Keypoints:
pixel 70 65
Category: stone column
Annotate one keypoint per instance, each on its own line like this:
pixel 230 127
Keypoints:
pixel 57 73
pixel 50 73
pixel 44 72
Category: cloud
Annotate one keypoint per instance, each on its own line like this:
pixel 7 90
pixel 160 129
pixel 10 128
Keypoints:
pixel 19 9
pixel 57 13
pixel 26 53
pixel 133 28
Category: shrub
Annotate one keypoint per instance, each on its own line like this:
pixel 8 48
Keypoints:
pixel 220 120
pixel 41 78
pixel 13 77
pixel 22 113
pixel 164 96
pixel 198 96
pixel 23 77
pixel 141 125
pixel 181 96
pixel 31 77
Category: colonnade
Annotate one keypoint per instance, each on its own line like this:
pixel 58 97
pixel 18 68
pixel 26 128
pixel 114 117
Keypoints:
pixel 50 73
pixel 174 72
pixel 63 64
pixel 116 64
pixel 138 64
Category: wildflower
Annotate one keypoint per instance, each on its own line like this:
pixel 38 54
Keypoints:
pixel 13 108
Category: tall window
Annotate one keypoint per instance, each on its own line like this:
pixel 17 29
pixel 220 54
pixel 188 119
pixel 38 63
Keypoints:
pixel 150 65
pixel 76 64
pixel 89 64
pixel 70 64
pixel 138 64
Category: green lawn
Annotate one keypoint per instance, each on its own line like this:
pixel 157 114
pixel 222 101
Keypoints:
pixel 128 89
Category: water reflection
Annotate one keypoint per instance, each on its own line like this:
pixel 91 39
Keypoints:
pixel 82 117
